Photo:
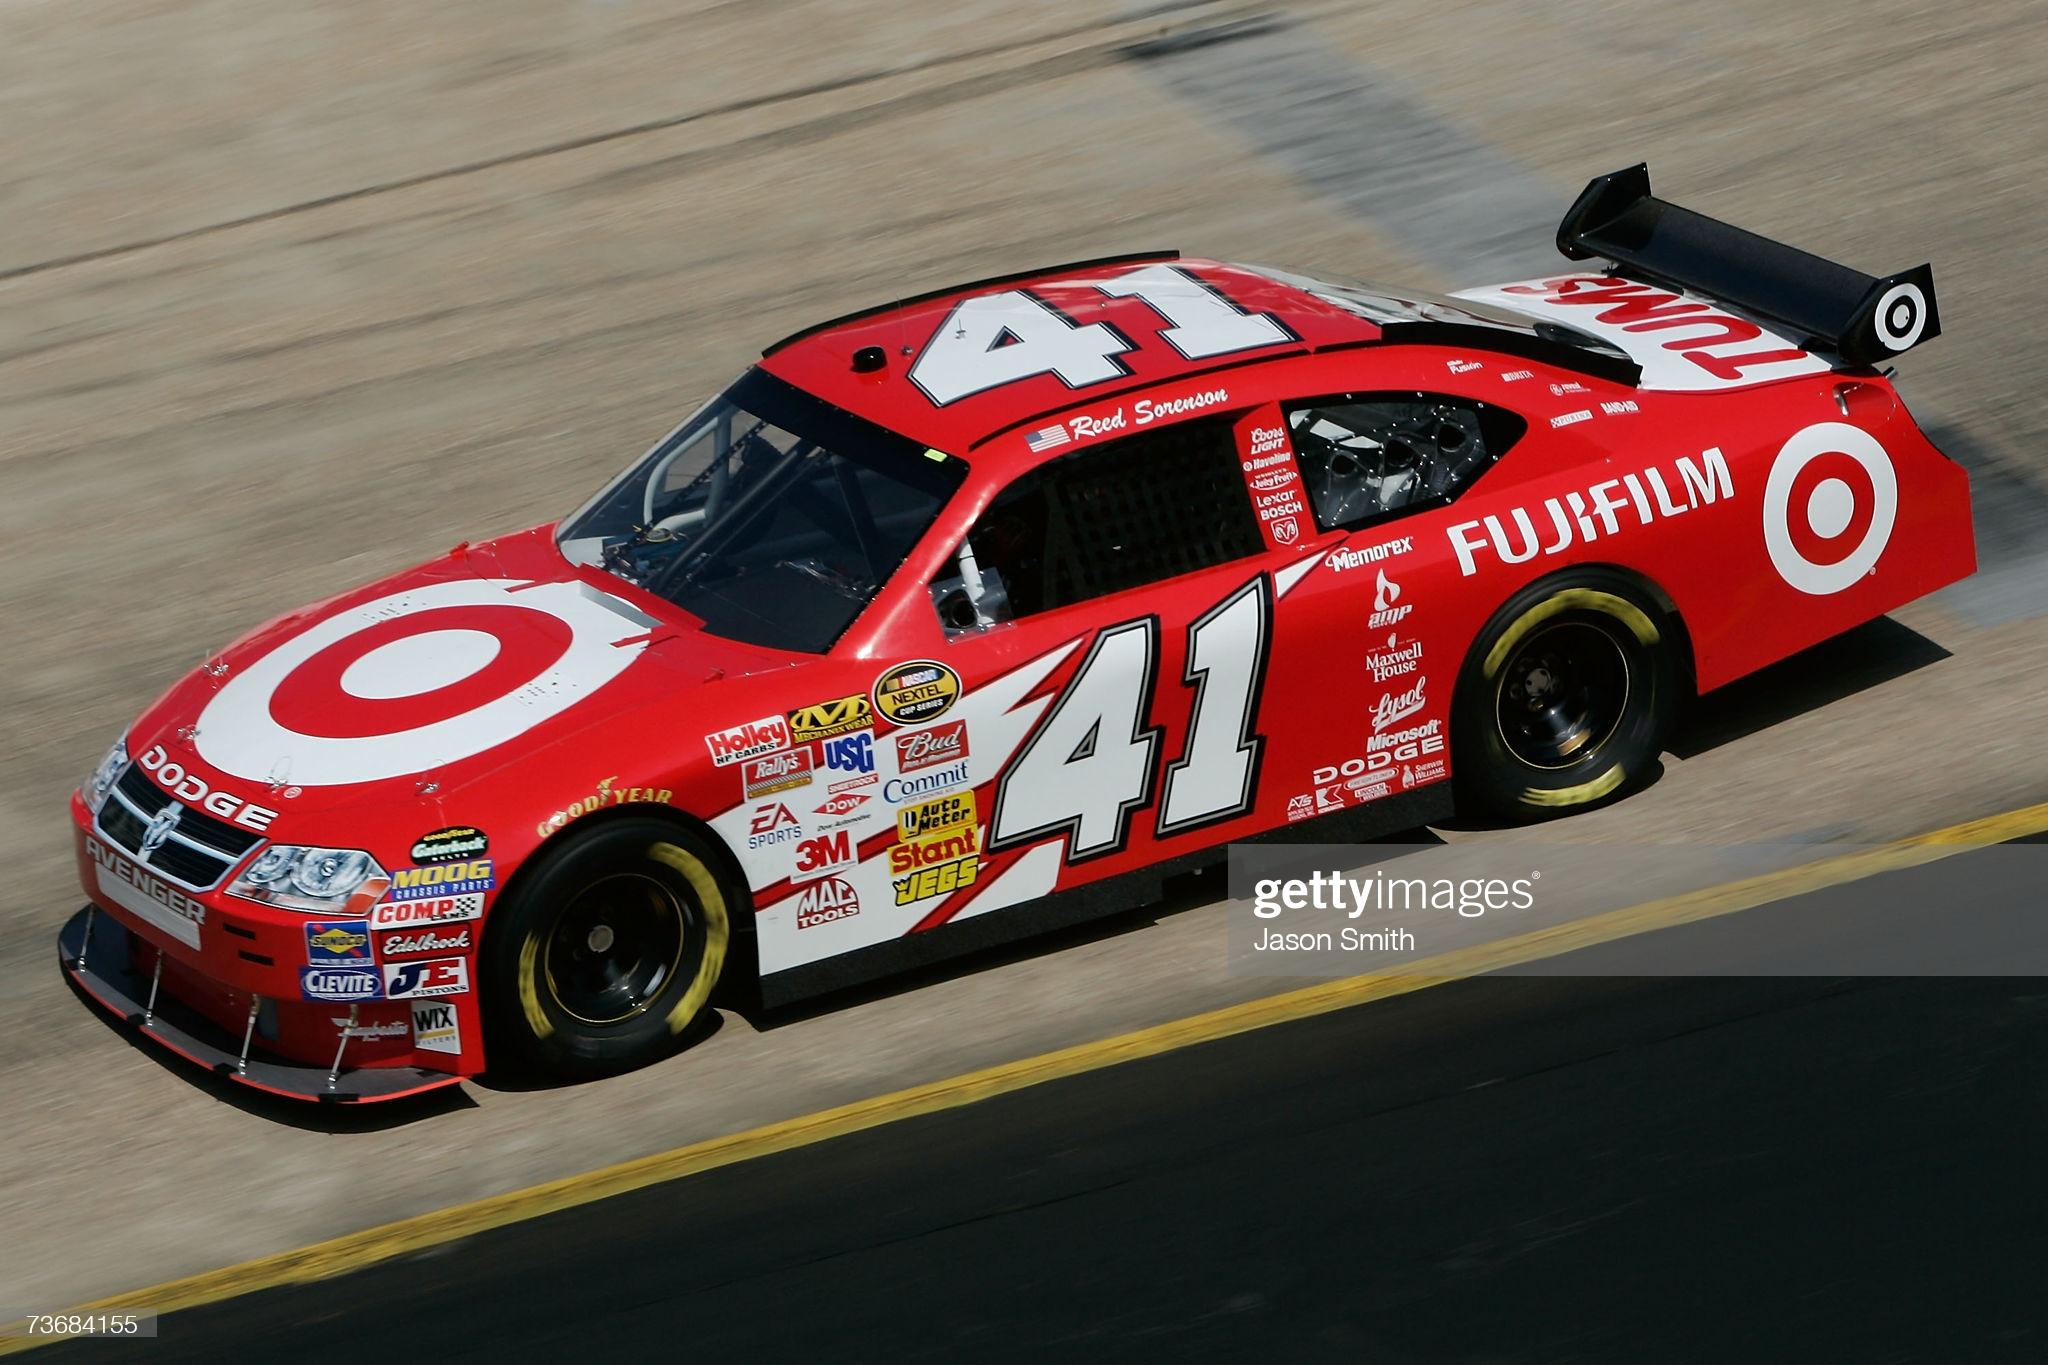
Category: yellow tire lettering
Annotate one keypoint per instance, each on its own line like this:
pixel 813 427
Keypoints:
pixel 717 930
pixel 1571 599
pixel 1577 795
pixel 529 988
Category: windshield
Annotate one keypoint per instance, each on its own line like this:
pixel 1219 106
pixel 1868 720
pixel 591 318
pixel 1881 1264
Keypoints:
pixel 771 515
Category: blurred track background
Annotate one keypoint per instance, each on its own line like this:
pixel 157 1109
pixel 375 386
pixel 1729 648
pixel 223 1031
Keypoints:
pixel 295 293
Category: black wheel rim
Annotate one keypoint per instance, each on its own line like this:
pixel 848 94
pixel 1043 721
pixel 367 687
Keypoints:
pixel 616 947
pixel 1563 693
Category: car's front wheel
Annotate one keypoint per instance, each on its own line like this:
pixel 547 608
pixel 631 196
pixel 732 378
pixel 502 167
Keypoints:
pixel 1566 698
pixel 606 950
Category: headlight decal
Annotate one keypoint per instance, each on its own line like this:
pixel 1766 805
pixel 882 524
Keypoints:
pixel 311 879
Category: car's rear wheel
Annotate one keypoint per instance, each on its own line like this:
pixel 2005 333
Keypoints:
pixel 1566 698
pixel 607 949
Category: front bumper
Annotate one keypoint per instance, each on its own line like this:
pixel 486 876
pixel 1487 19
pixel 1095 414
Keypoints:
pixel 119 972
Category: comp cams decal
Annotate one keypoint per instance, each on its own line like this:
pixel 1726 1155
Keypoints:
pixel 411 681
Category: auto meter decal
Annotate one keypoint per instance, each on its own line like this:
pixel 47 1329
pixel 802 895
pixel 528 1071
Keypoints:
pixel 413 681
pixel 1829 506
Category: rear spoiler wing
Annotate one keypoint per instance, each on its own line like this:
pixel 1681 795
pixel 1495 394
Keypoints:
pixel 1856 316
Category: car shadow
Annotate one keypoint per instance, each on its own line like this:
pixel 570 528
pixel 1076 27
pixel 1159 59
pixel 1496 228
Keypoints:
pixel 509 1082
pixel 1854 661
pixel 309 1116
pixel 1183 892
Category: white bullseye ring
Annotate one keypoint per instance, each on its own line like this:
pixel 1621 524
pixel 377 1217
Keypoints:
pixel 419 663
pixel 1901 316
pixel 238 734
pixel 1824 507
pixel 1828 510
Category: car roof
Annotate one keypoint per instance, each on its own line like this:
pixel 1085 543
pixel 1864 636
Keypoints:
pixel 821 359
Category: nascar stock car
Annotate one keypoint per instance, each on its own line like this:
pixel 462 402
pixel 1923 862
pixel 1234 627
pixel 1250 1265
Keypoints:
pixel 979 613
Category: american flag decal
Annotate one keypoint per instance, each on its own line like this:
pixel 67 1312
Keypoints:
pixel 1045 438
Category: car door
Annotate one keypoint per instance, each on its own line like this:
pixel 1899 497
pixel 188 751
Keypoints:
pixel 1111 618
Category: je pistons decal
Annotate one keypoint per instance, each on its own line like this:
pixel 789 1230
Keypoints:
pixel 447 845
pixel 829 718
pixel 914 692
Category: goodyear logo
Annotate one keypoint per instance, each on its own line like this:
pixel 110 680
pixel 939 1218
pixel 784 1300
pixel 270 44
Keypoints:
pixel 953 811
pixel 334 943
pixel 442 879
pixel 915 692
pixel 829 718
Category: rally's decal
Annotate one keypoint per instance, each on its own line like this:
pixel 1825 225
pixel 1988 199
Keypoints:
pixel 988 340
pixel 413 680
pixel 1829 507
pixel 1679 340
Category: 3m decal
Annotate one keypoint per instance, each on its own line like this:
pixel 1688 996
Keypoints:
pixel 413 680
pixel 1829 507
pixel 915 692
pixel 823 853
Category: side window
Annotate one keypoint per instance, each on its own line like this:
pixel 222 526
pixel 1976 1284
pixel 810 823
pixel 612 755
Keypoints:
pixel 1113 516
pixel 1371 455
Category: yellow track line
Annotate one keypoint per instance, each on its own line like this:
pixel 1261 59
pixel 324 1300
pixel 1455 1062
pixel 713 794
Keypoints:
pixel 340 1255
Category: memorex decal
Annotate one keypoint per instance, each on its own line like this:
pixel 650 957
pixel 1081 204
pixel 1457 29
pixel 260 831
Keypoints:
pixel 1583 516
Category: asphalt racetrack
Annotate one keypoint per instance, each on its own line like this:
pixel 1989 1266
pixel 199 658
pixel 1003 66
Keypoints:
pixel 1502 1170
pixel 294 294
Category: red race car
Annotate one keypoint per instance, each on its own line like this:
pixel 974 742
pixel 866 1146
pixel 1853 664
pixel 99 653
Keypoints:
pixel 975 614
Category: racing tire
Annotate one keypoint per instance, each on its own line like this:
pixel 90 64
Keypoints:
pixel 607 949
pixel 1566 698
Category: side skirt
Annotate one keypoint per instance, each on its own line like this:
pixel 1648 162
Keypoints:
pixel 1095 900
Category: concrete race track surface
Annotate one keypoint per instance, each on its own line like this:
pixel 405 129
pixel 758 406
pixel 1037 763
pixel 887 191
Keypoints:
pixel 1796 1169
pixel 292 294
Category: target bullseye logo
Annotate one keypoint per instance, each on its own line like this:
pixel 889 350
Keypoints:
pixel 1829 507
pixel 1901 316
pixel 412 681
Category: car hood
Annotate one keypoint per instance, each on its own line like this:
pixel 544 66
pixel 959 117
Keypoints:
pixel 398 699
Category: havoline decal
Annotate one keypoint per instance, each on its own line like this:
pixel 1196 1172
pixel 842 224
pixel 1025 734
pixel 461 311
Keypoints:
pixel 447 845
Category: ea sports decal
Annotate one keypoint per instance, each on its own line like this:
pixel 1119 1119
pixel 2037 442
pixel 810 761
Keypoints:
pixel 1829 507
pixel 413 681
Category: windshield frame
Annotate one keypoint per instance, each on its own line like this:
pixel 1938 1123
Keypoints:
pixel 823 429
